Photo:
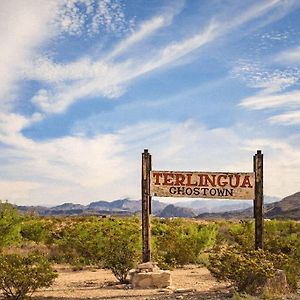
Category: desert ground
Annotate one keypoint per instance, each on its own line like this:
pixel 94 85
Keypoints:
pixel 191 282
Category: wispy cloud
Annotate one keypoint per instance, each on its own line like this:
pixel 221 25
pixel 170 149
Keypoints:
pixel 107 78
pixel 289 56
pixel 91 17
pixel 277 167
pixel 258 75
pixel 113 160
pixel 270 101
pixel 23 28
pixel 147 29
pixel 278 89
pixel 288 118
pixel 101 78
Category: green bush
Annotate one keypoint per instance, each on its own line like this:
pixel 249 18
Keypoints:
pixel 122 246
pixel 179 242
pixel 81 243
pixel 34 230
pixel 20 276
pixel 10 225
pixel 248 271
pixel 280 237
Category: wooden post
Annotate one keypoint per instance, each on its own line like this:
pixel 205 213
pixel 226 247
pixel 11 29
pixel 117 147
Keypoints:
pixel 146 205
pixel 259 199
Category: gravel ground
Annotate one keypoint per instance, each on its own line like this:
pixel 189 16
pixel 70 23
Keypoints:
pixel 191 282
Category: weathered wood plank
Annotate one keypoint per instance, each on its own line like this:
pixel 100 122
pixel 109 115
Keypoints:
pixel 220 185
pixel 146 205
pixel 259 199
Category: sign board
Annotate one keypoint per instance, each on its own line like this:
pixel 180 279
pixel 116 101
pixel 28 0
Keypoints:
pixel 218 185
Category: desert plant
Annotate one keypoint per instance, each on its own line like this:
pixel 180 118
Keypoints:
pixel 122 246
pixel 10 221
pixel 76 241
pixel 248 271
pixel 34 230
pixel 20 275
pixel 179 242
pixel 281 238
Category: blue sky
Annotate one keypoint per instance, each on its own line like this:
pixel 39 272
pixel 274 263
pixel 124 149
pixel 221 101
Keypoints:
pixel 86 85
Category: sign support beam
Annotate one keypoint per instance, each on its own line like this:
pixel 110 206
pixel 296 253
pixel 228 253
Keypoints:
pixel 146 204
pixel 259 199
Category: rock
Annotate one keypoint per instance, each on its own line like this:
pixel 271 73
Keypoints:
pixel 277 284
pixel 148 275
pixel 148 267
pixel 180 291
pixel 142 280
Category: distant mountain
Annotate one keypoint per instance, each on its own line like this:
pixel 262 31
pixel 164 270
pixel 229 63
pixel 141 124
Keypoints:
pixel 68 206
pixel 218 206
pixel 215 206
pixel 288 208
pixel 117 207
pixel 175 211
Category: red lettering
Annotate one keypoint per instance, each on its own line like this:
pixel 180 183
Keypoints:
pixel 201 182
pixel 246 182
pixel 168 179
pixel 210 181
pixel 189 179
pixel 179 179
pixel 156 175
pixel 237 180
pixel 219 180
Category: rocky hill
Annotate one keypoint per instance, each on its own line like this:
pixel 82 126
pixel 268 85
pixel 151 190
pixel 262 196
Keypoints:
pixel 175 211
pixel 287 208
pixel 117 207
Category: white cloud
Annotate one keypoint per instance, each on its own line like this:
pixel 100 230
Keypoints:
pixel 147 29
pixel 27 26
pixel 262 101
pixel 273 83
pixel 289 56
pixel 84 78
pixel 107 166
pixel 23 28
pixel 281 165
pixel 61 169
pixel 288 118
pixel 102 78
pixel 256 75
pixel 18 191
pixel 77 17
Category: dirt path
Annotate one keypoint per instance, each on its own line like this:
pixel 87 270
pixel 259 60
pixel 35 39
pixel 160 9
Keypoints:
pixel 188 283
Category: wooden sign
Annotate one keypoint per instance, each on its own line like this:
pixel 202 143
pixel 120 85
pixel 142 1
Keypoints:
pixel 218 185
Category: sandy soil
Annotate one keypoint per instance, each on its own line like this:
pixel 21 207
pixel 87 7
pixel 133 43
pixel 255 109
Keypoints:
pixel 188 283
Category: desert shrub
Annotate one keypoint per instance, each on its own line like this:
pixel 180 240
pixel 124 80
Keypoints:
pixel 179 242
pixel 280 238
pixel 20 275
pixel 34 230
pixel 79 243
pixel 284 237
pixel 122 246
pixel 10 221
pixel 248 271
